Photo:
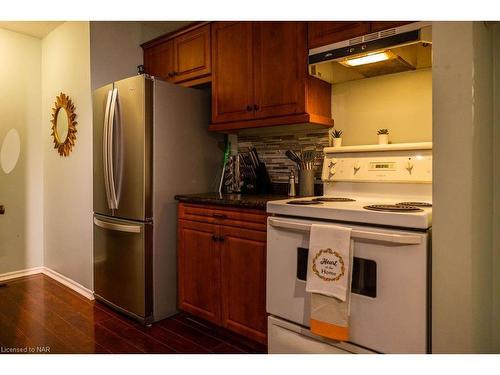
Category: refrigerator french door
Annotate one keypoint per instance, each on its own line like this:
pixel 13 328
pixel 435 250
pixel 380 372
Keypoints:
pixel 123 122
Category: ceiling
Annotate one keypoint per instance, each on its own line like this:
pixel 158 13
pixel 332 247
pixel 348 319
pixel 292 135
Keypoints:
pixel 38 29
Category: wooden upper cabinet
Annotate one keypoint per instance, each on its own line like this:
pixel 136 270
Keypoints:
pixel 260 77
pixel 232 79
pixel 322 33
pixel 182 57
pixel 159 60
pixel 384 25
pixel 192 54
pixel 199 269
pixel 279 68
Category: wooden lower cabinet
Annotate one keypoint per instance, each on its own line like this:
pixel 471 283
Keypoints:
pixel 222 267
pixel 199 270
pixel 243 276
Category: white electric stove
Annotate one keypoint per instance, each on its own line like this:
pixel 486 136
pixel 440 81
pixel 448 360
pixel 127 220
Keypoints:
pixel 384 194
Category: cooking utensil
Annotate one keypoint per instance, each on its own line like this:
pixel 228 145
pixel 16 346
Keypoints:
pixel 256 155
pixel 224 162
pixel 293 157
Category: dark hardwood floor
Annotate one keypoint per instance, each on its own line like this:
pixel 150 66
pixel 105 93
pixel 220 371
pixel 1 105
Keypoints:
pixel 37 312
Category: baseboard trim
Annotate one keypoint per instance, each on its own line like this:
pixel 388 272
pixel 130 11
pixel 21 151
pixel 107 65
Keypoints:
pixel 21 273
pixel 66 281
pixel 77 287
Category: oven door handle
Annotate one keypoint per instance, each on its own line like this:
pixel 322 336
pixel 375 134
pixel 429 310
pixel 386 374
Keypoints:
pixel 400 239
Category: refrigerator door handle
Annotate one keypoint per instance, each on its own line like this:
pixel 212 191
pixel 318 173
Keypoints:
pixel 105 154
pixel 118 227
pixel 111 182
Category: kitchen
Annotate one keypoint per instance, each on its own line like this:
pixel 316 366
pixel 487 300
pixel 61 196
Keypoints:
pixel 65 252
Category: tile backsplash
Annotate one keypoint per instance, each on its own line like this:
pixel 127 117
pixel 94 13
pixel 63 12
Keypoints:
pixel 271 144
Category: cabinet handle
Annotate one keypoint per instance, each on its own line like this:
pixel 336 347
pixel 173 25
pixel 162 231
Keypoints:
pixel 214 237
pixel 256 107
pixel 249 108
pixel 219 216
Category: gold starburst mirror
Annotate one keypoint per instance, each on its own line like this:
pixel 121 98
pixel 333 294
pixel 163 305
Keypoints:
pixel 63 124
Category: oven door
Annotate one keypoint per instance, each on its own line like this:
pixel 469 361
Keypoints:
pixel 389 287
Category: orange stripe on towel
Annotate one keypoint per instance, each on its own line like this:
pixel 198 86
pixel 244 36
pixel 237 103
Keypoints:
pixel 329 330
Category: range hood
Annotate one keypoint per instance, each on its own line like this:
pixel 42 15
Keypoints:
pixel 403 48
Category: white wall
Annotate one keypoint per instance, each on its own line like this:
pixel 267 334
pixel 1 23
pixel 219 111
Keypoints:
pixel 68 180
pixel 115 51
pixel 21 235
pixel 462 188
pixel 153 29
pixel 400 102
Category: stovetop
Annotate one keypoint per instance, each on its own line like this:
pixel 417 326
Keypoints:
pixel 359 209
pixel 387 185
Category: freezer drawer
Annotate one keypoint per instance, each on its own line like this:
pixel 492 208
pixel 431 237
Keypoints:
pixel 122 264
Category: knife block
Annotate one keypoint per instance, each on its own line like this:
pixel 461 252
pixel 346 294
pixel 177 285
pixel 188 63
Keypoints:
pixel 264 185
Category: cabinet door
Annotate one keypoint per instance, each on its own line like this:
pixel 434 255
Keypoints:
pixel 280 68
pixel 192 54
pixel 232 76
pixel 243 275
pixel 384 25
pixel 322 33
pixel 159 60
pixel 199 269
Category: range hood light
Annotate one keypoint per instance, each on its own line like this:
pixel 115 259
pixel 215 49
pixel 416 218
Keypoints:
pixel 367 59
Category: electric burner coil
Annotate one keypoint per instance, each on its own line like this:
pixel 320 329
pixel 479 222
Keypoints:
pixel 392 208
pixel 333 199
pixel 304 203
pixel 415 204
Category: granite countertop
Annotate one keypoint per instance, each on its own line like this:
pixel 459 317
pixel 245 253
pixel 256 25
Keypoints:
pixel 256 201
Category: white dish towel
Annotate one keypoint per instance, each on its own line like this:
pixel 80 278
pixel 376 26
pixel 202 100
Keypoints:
pixel 329 280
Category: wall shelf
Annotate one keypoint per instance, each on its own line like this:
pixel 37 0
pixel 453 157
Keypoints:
pixel 377 147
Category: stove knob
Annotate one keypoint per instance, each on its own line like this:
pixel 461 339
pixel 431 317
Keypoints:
pixel 356 167
pixel 409 166
pixel 331 172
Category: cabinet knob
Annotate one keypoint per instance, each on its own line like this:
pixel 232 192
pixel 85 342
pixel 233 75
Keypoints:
pixel 256 107
pixel 2 210
pixel 249 108
pixel 217 238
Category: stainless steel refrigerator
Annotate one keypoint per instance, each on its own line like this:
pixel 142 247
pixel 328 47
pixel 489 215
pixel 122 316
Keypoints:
pixel 150 142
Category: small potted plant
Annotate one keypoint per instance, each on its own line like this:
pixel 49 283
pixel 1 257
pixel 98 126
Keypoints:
pixel 337 137
pixel 383 136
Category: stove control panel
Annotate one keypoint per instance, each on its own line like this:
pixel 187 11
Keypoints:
pixel 408 167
